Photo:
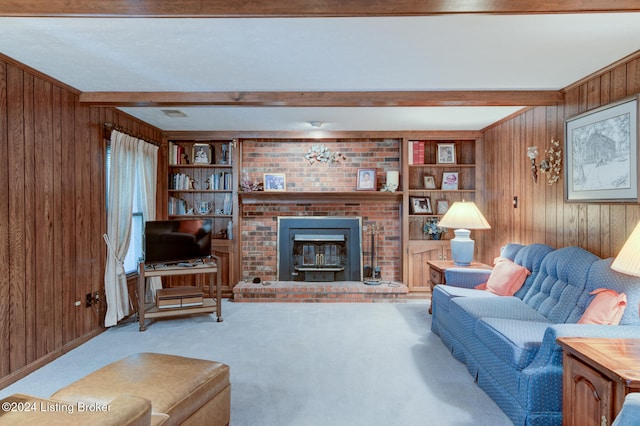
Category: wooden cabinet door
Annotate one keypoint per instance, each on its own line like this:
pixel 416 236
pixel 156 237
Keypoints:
pixel 590 397
pixel 418 255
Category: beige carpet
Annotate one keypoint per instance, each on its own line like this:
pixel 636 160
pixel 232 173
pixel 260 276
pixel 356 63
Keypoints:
pixel 305 364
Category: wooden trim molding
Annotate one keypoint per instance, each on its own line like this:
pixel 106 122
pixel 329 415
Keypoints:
pixel 328 99
pixel 297 136
pixel 300 8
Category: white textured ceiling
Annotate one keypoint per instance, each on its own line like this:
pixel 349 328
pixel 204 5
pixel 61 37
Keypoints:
pixel 446 52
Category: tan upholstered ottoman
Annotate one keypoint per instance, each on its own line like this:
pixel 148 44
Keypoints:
pixel 125 410
pixel 190 391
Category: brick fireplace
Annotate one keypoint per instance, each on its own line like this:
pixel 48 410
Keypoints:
pixel 260 219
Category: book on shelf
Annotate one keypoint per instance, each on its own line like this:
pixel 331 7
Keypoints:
pixel 221 181
pixel 177 206
pixel 176 154
pixel 179 181
pixel 416 152
pixel 227 206
pixel 227 150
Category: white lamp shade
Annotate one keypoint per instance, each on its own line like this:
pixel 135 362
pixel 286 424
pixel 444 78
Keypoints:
pixel 628 260
pixel 464 215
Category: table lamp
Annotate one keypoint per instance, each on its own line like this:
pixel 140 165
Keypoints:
pixel 628 260
pixel 463 216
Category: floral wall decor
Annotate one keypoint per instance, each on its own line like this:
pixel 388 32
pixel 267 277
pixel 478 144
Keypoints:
pixel 551 165
pixel 322 154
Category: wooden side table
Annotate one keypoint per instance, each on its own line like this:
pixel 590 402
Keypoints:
pixel 597 374
pixel 437 270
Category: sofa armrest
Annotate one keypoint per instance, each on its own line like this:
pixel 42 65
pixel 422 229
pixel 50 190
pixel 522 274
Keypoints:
pixel 466 277
pixel 551 353
pixel 630 412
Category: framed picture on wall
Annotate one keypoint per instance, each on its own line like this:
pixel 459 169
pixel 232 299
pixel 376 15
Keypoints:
pixel 429 182
pixel 366 180
pixel 450 181
pixel 442 206
pixel 420 205
pixel 446 153
pixel 201 153
pixel 275 182
pixel 601 152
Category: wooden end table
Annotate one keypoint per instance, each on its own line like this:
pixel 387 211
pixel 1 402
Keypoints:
pixel 437 270
pixel 597 374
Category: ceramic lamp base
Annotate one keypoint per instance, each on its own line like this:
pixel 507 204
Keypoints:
pixel 462 248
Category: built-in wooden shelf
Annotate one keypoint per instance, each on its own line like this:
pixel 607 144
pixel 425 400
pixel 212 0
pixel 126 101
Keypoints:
pixel 290 197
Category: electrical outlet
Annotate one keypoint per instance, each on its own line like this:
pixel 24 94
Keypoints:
pixel 89 300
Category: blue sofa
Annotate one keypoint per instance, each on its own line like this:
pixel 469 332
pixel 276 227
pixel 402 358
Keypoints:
pixel 508 343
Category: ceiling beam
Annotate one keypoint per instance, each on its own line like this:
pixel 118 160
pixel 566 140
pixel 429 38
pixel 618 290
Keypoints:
pixel 299 8
pixel 327 99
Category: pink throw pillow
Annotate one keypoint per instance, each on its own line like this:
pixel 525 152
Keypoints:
pixel 506 278
pixel 606 308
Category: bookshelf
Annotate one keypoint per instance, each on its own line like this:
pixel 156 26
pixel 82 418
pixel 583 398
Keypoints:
pixel 428 194
pixel 202 182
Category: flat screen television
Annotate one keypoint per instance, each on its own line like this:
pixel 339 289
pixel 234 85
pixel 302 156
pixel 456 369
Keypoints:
pixel 175 241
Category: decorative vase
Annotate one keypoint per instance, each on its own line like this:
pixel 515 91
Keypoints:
pixel 436 236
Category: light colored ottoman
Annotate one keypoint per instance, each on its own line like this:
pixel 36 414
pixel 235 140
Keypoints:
pixel 125 410
pixel 189 391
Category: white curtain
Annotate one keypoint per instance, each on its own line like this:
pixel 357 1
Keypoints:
pixel 148 178
pixel 131 158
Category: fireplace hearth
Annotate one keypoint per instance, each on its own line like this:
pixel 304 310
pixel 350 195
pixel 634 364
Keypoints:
pixel 319 249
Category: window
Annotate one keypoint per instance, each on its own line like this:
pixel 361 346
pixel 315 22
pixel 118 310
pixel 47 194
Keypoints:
pixel 134 254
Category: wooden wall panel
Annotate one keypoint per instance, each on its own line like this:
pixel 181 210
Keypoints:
pixel 52 217
pixel 16 227
pixel 5 278
pixel 543 216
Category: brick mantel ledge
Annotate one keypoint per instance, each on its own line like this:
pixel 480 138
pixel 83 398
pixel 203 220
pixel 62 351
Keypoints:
pixel 296 197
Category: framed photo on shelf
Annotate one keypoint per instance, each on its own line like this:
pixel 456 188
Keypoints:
pixel 429 182
pixel 420 205
pixel 201 154
pixel 601 152
pixel 446 153
pixel 450 181
pixel 275 182
pixel 366 180
pixel 442 206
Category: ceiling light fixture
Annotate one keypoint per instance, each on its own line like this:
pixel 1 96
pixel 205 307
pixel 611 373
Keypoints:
pixel 173 113
pixel 316 124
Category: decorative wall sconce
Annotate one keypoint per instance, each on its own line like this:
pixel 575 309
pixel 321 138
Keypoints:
pixel 532 153
pixel 550 166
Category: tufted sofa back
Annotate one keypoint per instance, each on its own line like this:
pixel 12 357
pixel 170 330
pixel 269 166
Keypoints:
pixel 602 276
pixel 510 250
pixel 561 281
pixel 531 257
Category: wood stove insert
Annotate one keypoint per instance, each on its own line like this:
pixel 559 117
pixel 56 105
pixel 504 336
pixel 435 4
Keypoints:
pixel 319 249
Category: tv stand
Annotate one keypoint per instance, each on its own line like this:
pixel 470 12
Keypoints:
pixel 209 304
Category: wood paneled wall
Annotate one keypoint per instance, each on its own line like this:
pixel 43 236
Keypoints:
pixel 52 217
pixel 542 215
